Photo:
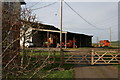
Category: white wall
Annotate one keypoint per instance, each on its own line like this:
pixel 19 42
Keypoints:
pixel 27 35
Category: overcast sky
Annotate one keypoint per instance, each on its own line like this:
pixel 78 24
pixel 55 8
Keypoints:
pixel 101 14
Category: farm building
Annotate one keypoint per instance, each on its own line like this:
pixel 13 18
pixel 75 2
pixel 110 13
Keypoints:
pixel 49 36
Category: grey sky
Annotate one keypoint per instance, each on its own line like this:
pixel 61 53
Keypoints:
pixel 101 14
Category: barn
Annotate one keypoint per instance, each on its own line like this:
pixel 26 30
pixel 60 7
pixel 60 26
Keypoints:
pixel 49 36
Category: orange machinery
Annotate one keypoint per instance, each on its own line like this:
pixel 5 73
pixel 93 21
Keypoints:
pixel 104 43
pixel 70 43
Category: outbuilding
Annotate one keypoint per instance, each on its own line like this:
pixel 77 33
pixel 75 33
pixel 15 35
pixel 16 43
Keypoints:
pixel 49 36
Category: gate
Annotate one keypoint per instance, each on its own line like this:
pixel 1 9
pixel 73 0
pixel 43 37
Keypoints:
pixel 78 59
pixel 90 57
pixel 105 57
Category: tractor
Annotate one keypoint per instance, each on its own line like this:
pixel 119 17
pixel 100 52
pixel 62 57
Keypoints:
pixel 104 43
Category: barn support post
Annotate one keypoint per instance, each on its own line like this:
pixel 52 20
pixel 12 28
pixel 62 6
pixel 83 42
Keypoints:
pixel 74 41
pixel 65 40
pixel 92 57
pixel 54 56
pixel 80 40
pixel 110 36
pixel 48 39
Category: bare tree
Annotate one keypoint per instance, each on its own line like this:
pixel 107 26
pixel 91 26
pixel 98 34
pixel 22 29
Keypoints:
pixel 16 62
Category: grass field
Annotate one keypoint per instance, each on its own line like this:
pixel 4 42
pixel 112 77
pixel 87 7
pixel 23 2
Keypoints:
pixel 61 74
pixel 65 72
pixel 114 43
pixel 53 70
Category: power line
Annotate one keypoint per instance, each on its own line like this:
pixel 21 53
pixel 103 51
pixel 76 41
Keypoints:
pixel 81 16
pixel 33 5
pixel 44 6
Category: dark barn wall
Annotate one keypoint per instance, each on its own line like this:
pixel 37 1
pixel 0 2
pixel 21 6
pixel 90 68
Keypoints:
pixel 89 41
pixel 70 36
pixel 86 41
pixel 38 38
pixel 41 36
pixel 77 38
pixel 81 39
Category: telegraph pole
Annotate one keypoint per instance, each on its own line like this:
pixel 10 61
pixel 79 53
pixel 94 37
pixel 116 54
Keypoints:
pixel 97 40
pixel 110 35
pixel 61 4
pixel 61 53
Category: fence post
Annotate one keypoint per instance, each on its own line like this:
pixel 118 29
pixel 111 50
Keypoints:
pixel 62 58
pixel 54 56
pixel 92 57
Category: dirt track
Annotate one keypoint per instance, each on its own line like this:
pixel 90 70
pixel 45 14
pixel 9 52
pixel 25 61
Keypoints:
pixel 99 71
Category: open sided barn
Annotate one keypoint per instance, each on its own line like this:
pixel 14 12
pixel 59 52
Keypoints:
pixel 49 36
pixel 80 40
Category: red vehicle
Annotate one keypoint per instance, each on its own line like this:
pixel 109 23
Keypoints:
pixel 70 43
pixel 104 43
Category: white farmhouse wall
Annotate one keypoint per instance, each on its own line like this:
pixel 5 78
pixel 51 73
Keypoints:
pixel 26 37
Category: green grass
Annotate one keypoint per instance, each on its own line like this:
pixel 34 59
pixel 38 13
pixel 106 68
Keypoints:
pixel 55 73
pixel 61 74
pixel 66 73
pixel 42 53
pixel 114 43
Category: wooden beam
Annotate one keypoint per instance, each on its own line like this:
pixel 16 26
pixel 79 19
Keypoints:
pixel 47 30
